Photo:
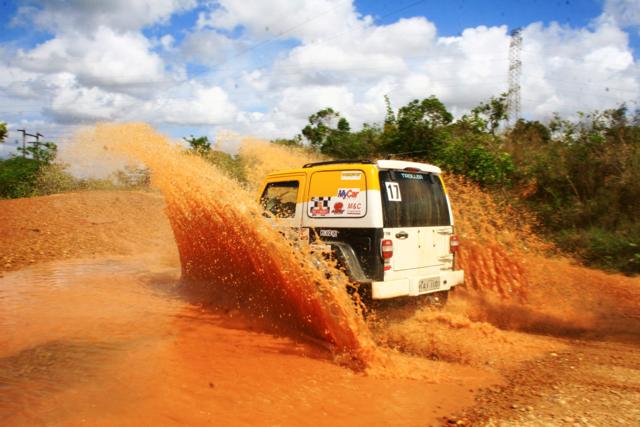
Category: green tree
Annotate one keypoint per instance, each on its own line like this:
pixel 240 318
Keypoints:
pixel 488 115
pixel 293 142
pixel 18 177
pixel 4 132
pixel 320 127
pixel 420 128
pixel 200 145
pixel 229 164
pixel 41 152
pixel 19 174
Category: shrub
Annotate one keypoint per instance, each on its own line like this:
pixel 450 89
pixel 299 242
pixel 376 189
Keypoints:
pixel 18 176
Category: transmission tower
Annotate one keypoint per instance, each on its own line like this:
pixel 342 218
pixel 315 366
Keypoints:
pixel 515 70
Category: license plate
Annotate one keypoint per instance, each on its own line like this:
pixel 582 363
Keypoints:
pixel 430 284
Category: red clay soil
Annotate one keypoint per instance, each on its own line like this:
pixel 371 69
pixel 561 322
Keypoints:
pixel 592 316
pixel 79 225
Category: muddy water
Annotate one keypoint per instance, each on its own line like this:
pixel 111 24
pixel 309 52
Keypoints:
pixel 122 342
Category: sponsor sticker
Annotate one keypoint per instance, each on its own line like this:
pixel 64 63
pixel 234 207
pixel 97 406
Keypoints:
pixel 345 203
pixel 411 175
pixel 348 193
pixel 351 176
pixel 319 206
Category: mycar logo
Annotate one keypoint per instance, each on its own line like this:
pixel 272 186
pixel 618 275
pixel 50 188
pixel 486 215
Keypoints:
pixel 348 193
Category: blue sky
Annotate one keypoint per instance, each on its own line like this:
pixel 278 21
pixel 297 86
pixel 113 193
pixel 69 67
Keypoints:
pixel 260 68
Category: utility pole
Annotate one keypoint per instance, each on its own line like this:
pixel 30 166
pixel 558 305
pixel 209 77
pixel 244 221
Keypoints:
pixel 24 142
pixel 515 70
pixel 37 145
pixel 25 134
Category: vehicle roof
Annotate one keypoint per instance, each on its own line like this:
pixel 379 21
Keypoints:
pixel 350 164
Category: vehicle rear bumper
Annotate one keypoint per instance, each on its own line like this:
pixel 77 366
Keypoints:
pixel 410 286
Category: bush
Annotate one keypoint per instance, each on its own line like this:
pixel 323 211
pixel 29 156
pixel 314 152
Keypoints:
pixel 53 179
pixel 477 161
pixel 612 250
pixel 231 165
pixel 18 176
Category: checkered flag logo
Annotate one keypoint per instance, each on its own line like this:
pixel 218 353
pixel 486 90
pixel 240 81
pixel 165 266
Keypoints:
pixel 319 206
pixel 321 202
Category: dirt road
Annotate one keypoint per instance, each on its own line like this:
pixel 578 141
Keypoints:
pixel 87 224
pixel 93 328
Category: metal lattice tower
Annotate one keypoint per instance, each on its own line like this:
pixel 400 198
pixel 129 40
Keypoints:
pixel 515 70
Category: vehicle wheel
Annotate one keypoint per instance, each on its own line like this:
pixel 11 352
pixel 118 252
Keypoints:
pixel 438 299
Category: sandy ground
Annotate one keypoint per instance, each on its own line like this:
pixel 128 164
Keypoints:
pixel 589 376
pixel 87 224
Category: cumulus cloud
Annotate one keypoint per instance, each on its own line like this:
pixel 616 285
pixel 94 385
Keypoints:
pixel 81 15
pixel 103 58
pixel 73 102
pixel 625 12
pixel 284 60
pixel 208 47
pixel 300 19
pixel 192 104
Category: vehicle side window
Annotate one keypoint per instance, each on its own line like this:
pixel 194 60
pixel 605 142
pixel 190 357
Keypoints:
pixel 279 198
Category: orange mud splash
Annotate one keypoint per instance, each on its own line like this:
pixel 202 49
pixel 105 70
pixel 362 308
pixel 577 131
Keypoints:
pixel 224 241
pixel 264 157
pixel 496 241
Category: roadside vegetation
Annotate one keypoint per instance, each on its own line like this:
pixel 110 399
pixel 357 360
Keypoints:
pixel 36 172
pixel 580 176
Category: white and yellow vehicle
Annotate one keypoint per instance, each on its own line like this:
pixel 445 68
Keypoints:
pixel 388 222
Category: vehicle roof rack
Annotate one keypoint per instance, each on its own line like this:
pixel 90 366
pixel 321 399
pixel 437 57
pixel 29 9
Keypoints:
pixel 337 162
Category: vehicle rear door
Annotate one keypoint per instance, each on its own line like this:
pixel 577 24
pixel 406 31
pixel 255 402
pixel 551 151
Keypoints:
pixel 416 218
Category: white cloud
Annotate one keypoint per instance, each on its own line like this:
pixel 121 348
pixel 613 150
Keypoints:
pixel 105 68
pixel 73 102
pixel 299 101
pixel 208 47
pixel 85 16
pixel 192 104
pixel 167 42
pixel 300 19
pixel 104 58
pixel 625 12
pixel 568 70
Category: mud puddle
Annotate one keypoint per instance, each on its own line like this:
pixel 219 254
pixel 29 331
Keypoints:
pixel 117 342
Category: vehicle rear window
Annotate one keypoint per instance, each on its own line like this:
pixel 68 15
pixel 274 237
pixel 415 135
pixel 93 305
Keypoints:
pixel 411 199
pixel 279 198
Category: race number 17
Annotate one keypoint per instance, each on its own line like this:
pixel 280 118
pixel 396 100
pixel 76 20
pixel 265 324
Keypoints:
pixel 393 191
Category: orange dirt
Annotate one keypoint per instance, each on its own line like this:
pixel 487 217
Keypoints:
pixel 112 338
pixel 112 334
pixel 199 365
pixel 86 224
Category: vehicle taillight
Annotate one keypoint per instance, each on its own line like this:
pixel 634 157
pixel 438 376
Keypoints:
pixel 454 244
pixel 386 248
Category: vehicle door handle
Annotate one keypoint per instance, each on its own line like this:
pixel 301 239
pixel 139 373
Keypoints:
pixel 402 235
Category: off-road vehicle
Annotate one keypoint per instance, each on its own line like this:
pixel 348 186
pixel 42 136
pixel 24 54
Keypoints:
pixel 388 223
